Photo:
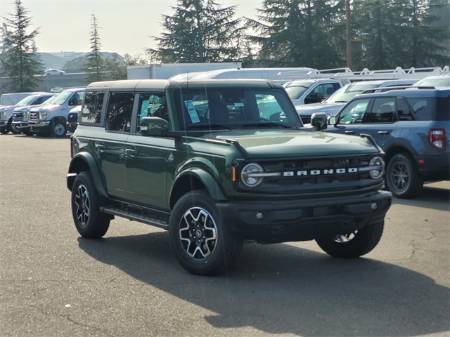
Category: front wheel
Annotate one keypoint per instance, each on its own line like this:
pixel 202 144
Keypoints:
pixel 89 221
pixel 203 244
pixel 58 129
pixel 354 244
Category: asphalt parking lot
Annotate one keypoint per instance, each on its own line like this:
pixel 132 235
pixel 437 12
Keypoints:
pixel 53 283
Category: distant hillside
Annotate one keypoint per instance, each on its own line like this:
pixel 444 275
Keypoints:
pixel 57 60
pixel 77 64
pixel 71 61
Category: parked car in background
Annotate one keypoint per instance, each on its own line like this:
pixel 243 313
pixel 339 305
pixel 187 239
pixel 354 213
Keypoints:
pixel 335 102
pixel 72 119
pixel 413 128
pixel 51 118
pixel 53 72
pixel 435 81
pixel 311 91
pixel 13 100
pixel 22 109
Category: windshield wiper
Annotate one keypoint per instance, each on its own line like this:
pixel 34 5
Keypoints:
pixel 267 124
pixel 208 127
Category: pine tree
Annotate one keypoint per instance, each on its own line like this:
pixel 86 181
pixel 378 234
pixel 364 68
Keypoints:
pixel 199 31
pixel 19 59
pixel 301 33
pixel 95 62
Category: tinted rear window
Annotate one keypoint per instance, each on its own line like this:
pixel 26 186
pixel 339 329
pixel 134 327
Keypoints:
pixel 430 108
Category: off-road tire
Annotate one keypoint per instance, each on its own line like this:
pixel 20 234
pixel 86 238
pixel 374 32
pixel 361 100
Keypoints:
pixel 227 246
pixel 414 183
pixel 96 224
pixel 364 241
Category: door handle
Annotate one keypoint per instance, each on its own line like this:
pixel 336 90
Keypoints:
pixel 130 153
pixel 349 132
pixel 383 132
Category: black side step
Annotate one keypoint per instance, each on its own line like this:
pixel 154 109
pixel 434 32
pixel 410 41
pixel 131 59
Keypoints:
pixel 136 216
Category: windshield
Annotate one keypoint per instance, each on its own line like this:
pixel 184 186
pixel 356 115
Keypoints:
pixel 235 108
pixel 294 91
pixel 26 101
pixel 434 82
pixel 59 99
pixel 347 93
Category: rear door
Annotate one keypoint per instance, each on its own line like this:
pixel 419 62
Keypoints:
pixel 111 150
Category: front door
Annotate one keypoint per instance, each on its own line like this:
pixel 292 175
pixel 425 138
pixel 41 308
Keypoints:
pixel 150 158
pixel 350 119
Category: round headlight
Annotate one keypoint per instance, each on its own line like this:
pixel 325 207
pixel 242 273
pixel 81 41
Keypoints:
pixel 376 167
pixel 43 114
pixel 249 175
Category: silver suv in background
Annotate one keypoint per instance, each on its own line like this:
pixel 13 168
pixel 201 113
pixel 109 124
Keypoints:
pixel 336 102
pixel 312 91
pixel 51 118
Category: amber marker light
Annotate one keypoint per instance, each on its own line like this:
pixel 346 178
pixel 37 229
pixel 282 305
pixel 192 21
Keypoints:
pixel 233 174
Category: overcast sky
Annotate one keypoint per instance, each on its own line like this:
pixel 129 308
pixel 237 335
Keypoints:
pixel 126 25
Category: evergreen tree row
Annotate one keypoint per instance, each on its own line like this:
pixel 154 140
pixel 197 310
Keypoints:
pixel 384 34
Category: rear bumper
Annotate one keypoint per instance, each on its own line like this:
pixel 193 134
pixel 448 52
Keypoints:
pixel 298 220
pixel 435 167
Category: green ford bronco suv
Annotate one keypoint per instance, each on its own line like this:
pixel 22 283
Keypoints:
pixel 217 163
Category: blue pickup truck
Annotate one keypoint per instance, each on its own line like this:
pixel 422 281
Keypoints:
pixel 413 128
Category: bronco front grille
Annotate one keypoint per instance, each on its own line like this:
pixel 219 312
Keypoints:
pixel 317 175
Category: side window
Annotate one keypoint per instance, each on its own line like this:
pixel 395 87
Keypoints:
pixel 422 108
pixel 76 99
pixel 118 115
pixel 403 110
pixel 151 105
pixel 383 111
pixel 92 108
pixel 321 92
pixel 354 112
pixel 40 100
pixel 269 108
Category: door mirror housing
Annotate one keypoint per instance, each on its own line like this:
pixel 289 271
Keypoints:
pixel 154 127
pixel 319 121
pixel 332 120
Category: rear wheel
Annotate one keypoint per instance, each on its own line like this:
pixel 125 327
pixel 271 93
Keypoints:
pixel 402 176
pixel 202 243
pixel 354 244
pixel 89 221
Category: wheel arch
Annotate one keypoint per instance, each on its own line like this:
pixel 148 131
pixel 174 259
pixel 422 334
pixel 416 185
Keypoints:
pixel 195 179
pixel 84 162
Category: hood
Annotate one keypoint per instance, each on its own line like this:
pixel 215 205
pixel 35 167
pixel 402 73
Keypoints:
pixel 297 144
pixel 330 109
pixel 51 107
pixel 22 108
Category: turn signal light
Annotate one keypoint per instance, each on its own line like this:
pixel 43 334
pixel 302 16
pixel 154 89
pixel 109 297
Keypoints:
pixel 437 138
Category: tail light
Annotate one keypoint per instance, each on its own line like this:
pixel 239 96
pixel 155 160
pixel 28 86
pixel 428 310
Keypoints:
pixel 437 138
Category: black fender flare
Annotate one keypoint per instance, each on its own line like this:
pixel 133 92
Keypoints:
pixel 207 180
pixel 84 161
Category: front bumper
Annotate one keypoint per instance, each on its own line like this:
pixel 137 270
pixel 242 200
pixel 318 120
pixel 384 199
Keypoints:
pixel 301 220
pixel 39 126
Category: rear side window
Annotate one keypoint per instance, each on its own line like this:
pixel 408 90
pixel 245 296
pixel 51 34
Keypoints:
pixel 120 107
pixel 92 109
pixel 383 110
pixel 430 108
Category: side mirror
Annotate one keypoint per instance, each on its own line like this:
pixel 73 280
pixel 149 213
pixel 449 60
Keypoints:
pixel 332 120
pixel 319 121
pixel 154 127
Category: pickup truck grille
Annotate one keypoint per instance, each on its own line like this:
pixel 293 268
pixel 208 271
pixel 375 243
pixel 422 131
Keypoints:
pixel 317 175
pixel 34 116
